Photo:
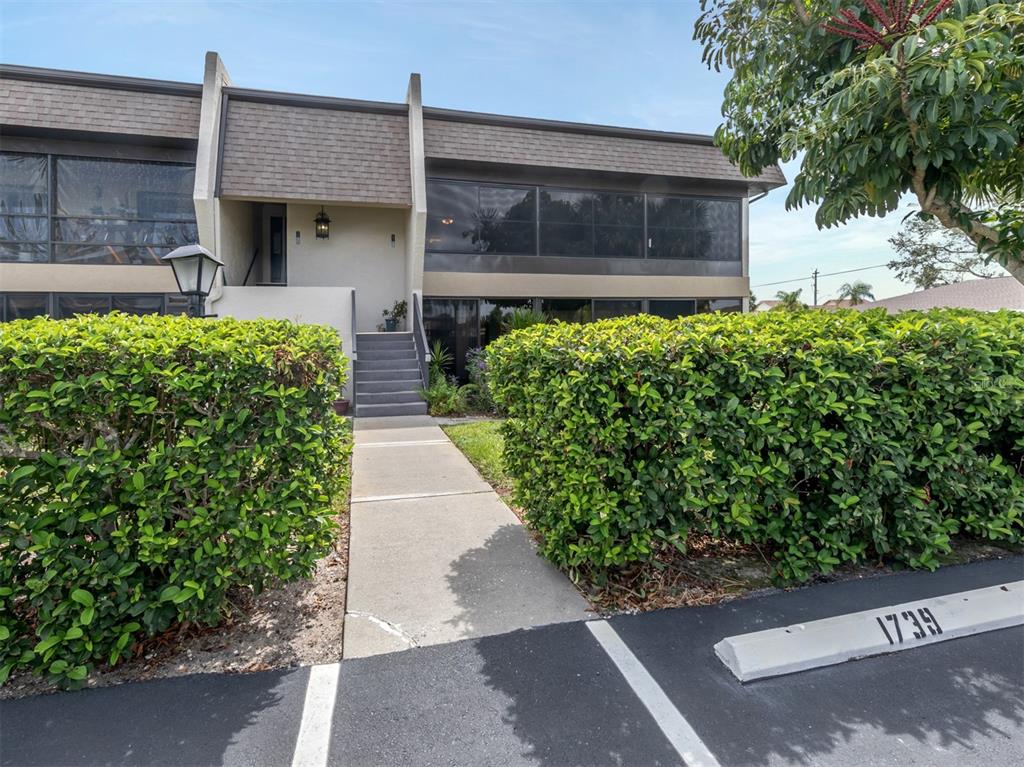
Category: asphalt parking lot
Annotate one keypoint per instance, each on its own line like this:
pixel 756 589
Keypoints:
pixel 553 696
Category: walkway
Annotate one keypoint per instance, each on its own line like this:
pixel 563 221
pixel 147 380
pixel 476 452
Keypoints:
pixel 435 555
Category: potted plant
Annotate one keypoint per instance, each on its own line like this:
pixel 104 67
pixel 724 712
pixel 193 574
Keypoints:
pixel 394 315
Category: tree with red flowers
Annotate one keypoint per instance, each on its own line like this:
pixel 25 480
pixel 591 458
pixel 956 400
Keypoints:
pixel 883 98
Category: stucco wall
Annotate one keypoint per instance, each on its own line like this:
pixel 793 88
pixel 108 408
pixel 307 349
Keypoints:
pixel 236 244
pixel 478 285
pixel 358 253
pixel 317 306
pixel 87 278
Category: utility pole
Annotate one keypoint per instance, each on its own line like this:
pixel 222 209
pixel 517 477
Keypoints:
pixel 815 277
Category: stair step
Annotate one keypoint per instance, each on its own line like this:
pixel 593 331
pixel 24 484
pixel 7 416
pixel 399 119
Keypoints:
pixel 385 364
pixel 376 387
pixel 385 353
pixel 406 374
pixel 387 397
pixel 384 338
pixel 407 408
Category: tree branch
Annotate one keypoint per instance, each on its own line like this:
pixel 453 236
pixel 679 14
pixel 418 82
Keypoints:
pixel 801 12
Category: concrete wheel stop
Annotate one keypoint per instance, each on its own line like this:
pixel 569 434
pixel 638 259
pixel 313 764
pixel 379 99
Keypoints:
pixel 880 631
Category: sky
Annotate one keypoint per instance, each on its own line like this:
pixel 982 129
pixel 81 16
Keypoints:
pixel 628 63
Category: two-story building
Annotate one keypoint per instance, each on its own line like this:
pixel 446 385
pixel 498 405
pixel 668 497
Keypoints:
pixel 331 210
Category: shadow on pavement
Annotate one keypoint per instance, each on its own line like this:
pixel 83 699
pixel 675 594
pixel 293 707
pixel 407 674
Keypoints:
pixel 194 720
pixel 504 585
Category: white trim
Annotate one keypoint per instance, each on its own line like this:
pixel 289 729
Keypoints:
pixel 678 731
pixel 314 740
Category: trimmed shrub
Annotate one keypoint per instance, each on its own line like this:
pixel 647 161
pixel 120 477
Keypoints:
pixel 824 437
pixel 148 465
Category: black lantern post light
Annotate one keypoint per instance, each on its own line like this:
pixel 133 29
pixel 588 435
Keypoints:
pixel 195 269
pixel 323 224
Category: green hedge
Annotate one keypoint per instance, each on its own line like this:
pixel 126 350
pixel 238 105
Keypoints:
pixel 824 437
pixel 148 465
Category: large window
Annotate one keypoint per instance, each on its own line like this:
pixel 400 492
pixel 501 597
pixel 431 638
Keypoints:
pixel 470 217
pixel 17 306
pixel 480 218
pixel 95 211
pixel 24 207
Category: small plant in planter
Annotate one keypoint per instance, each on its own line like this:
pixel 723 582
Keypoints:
pixel 394 316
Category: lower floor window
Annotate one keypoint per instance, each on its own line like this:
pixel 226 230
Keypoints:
pixel 462 324
pixel 17 306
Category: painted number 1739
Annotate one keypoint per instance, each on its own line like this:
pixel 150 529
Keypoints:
pixel 918 623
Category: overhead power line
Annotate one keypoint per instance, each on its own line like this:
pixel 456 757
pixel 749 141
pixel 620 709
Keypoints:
pixel 811 276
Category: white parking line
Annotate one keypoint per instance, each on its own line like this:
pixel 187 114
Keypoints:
pixel 678 731
pixel 314 741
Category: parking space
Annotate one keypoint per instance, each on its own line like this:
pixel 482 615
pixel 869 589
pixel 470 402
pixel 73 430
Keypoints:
pixel 556 696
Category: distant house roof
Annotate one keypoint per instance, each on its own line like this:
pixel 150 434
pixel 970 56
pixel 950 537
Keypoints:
pixel 764 306
pixel 984 295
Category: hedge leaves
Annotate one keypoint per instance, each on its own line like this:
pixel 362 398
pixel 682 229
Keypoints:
pixel 148 465
pixel 823 437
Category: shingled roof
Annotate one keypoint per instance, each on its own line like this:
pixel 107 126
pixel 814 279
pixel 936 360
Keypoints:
pixel 49 99
pixel 323 153
pixel 467 136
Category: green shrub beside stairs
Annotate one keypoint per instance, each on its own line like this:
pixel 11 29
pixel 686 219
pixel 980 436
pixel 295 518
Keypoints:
pixel 148 465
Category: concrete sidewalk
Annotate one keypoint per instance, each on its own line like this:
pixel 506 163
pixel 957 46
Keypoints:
pixel 435 555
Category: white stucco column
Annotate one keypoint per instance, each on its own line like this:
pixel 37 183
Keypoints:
pixel 215 78
pixel 416 229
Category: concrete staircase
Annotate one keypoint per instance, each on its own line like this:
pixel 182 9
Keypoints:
pixel 387 375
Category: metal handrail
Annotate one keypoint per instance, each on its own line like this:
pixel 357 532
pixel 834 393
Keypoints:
pixel 353 318
pixel 419 337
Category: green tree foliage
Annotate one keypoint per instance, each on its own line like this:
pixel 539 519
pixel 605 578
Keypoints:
pixel 882 98
pixel 789 300
pixel 150 465
pixel 823 437
pixel 929 255
pixel 856 292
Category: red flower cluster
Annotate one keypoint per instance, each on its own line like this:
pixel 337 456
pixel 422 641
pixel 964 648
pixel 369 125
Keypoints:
pixel 895 19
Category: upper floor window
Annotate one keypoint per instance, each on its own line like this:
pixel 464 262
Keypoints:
pixel 97 211
pixel 471 217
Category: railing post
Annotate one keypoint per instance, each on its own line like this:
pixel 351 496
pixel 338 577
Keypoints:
pixel 419 337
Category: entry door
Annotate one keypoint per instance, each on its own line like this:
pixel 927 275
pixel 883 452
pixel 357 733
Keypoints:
pixel 278 263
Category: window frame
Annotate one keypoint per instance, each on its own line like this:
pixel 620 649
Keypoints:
pixel 645 226
pixel 51 217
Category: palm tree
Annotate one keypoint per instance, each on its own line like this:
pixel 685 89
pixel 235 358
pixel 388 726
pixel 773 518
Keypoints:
pixel 857 292
pixel 789 300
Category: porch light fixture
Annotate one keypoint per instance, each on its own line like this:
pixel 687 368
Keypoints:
pixel 323 225
pixel 195 269
pixel 447 221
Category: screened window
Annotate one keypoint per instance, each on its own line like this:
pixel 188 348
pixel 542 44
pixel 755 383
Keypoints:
pixel 671 308
pixel 470 217
pixel 719 305
pixel 480 218
pixel 591 224
pixel 683 227
pixel 121 212
pixel 567 309
pixel 24 207
pixel 607 309
pixel 97 211
pixel 22 306
pixel 495 314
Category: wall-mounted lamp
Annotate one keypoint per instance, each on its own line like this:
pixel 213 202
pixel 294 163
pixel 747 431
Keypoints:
pixel 447 221
pixel 323 225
